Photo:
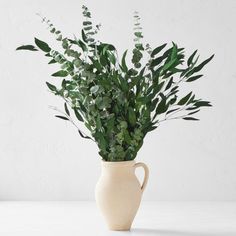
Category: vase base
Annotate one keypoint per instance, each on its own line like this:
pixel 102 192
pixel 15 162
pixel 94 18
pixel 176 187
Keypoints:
pixel 119 227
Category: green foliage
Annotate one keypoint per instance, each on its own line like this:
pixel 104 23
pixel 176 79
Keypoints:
pixel 52 87
pixel 42 45
pixel 27 47
pixel 61 73
pixel 119 103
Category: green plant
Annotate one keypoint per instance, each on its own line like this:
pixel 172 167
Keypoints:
pixel 120 104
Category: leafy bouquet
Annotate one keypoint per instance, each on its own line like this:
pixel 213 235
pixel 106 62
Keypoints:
pixel 117 103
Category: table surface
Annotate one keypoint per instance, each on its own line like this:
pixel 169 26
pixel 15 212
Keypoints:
pixel 83 218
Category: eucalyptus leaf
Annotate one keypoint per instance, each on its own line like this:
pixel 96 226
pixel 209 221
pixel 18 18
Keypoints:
pixel 94 89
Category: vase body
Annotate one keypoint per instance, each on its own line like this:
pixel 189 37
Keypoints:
pixel 118 193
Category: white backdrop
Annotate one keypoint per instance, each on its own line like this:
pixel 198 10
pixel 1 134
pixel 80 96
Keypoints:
pixel 43 158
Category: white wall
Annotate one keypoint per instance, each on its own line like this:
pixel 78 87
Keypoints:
pixel 43 158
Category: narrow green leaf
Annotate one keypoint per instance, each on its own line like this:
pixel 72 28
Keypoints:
pixel 157 61
pixel 189 70
pixel 151 128
pixel 103 60
pixel 82 135
pixel 193 78
pixel 157 50
pixel 153 104
pixel 190 59
pixel 199 67
pixel 27 47
pixel 66 109
pixel 170 111
pixel 190 118
pixel 185 99
pixel 60 73
pixel 169 65
pixel 123 63
pixel 78 116
pixel 191 108
pixel 191 100
pixel 52 61
pixel 42 45
pixel 111 47
pixel 62 117
pixel 174 52
pixel 169 83
pixel 98 123
pixel 162 107
pixel 51 87
pixel 131 116
pixel 202 104
pixel 82 45
pixel 102 143
pixel 105 48
pixel 157 88
pixel 191 113
pixel 112 58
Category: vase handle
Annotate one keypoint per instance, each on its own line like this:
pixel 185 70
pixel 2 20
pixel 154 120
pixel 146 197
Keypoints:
pixel 146 174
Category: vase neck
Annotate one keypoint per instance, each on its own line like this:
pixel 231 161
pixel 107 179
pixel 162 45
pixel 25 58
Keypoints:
pixel 118 167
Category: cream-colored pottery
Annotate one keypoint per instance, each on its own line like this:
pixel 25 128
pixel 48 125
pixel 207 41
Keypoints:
pixel 118 193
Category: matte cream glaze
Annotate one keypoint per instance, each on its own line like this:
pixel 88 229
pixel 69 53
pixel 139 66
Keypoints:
pixel 118 193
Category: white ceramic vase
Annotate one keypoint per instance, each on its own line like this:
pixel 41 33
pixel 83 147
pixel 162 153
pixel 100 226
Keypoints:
pixel 118 193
